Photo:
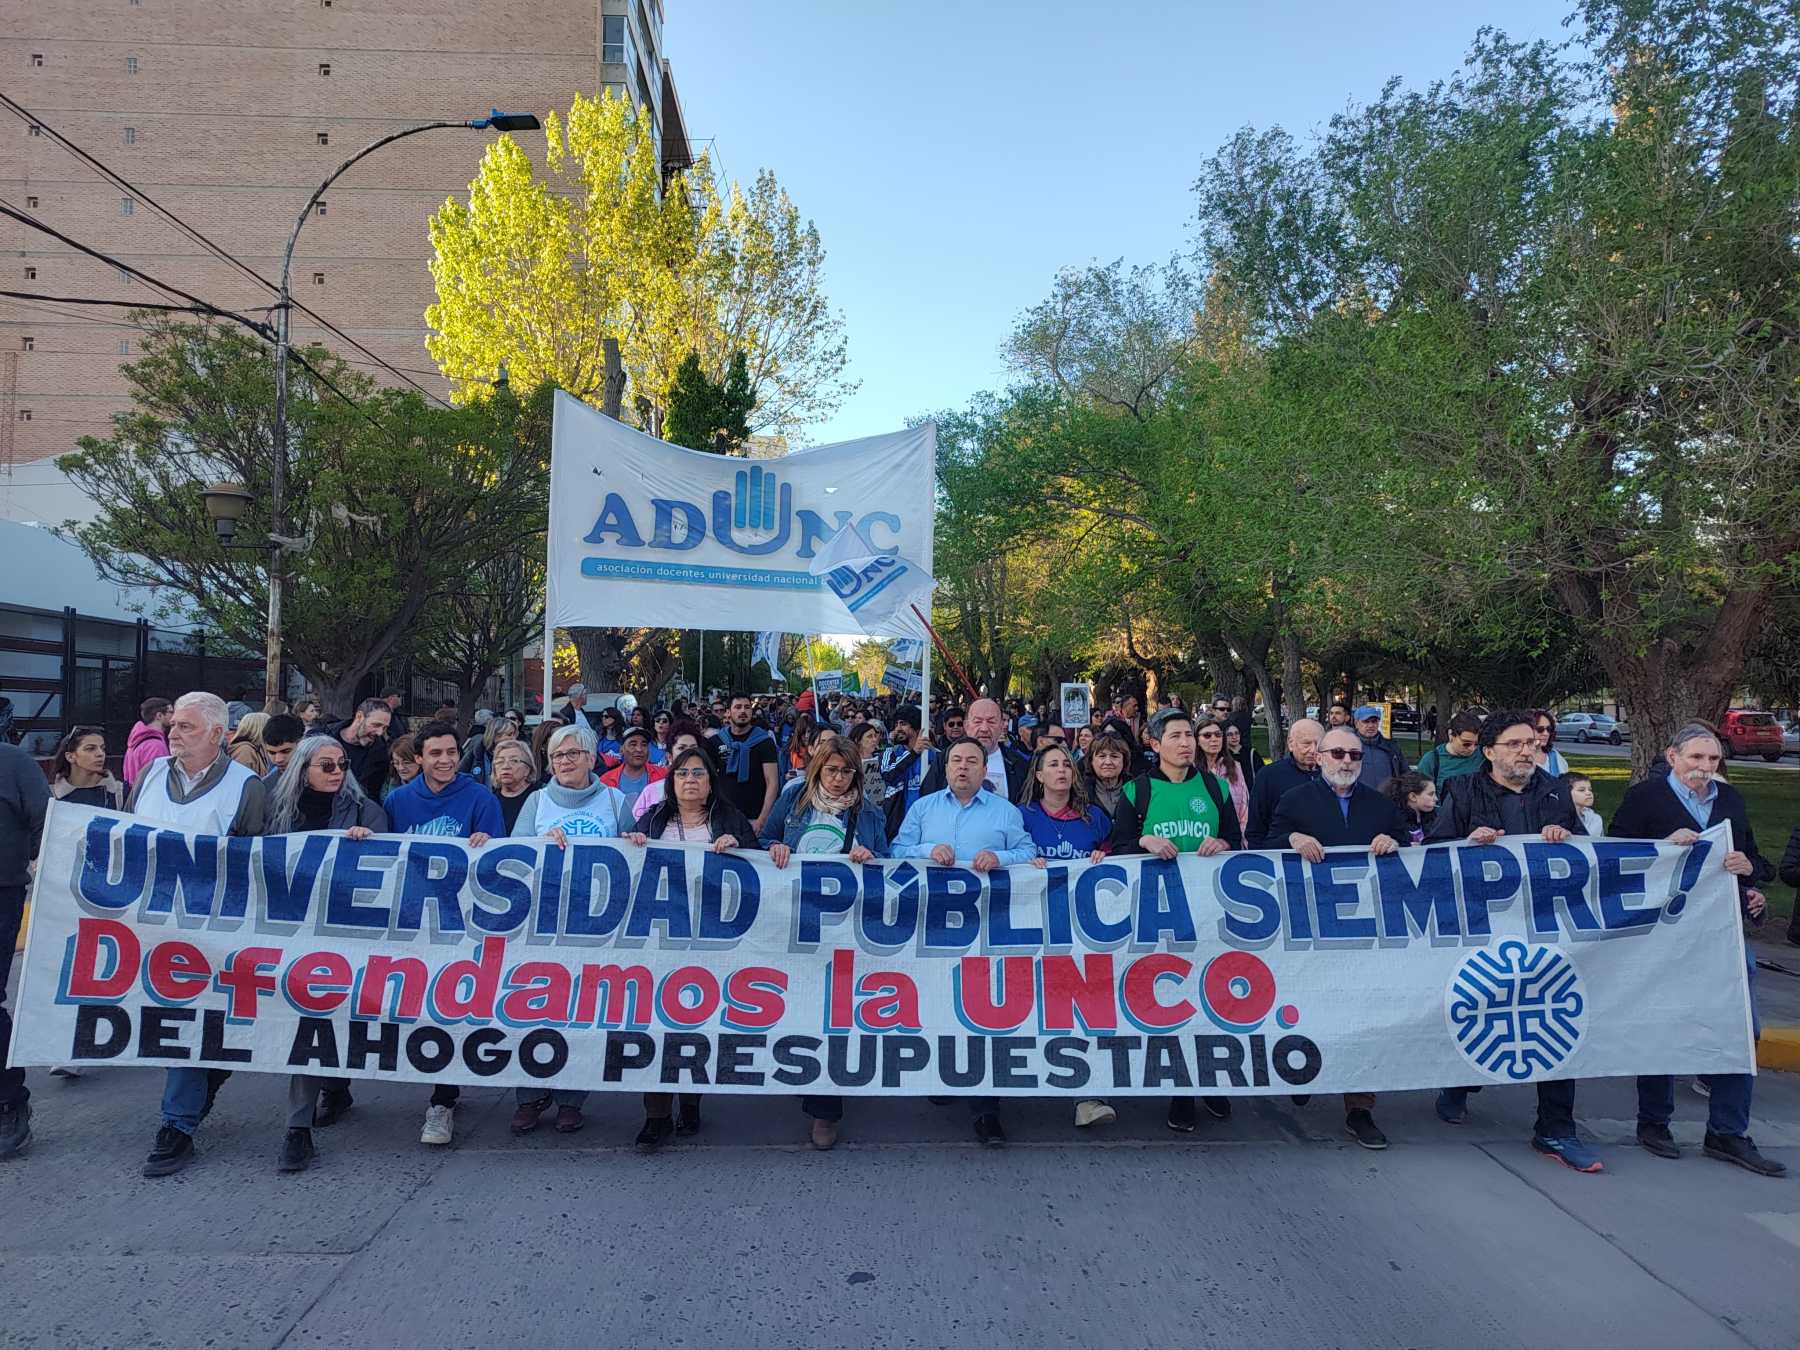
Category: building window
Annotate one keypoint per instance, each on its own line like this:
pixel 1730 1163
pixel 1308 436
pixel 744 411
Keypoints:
pixel 125 343
pixel 31 274
pixel 126 206
pixel 321 208
pixel 124 276
pixel 324 67
pixel 35 129
pixel 324 4
pixel 27 343
pixel 318 278
pixel 24 414
pixel 131 135
pixel 612 40
pixel 37 58
pixel 31 203
pixel 324 137
pixel 131 65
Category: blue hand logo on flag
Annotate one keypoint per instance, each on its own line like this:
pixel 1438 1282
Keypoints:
pixel 907 650
pixel 877 588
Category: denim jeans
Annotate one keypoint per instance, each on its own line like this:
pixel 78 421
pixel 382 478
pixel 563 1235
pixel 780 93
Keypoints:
pixel 1729 1108
pixel 1556 1107
pixel 13 1091
pixel 184 1096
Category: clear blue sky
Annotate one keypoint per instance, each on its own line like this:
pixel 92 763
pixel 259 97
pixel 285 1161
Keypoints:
pixel 955 156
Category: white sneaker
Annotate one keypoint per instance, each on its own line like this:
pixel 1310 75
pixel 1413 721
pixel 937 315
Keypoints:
pixel 1701 1089
pixel 65 1071
pixel 439 1121
pixel 1094 1112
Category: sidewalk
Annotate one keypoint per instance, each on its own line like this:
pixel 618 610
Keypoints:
pixel 1778 1001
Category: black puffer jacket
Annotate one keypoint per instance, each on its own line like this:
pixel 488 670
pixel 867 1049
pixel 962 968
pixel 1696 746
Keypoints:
pixel 1472 802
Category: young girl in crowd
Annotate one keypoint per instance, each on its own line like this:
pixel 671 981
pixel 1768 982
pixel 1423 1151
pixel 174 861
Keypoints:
pixel 1221 764
pixel 1416 796
pixel 403 766
pixel 78 772
pixel 1581 792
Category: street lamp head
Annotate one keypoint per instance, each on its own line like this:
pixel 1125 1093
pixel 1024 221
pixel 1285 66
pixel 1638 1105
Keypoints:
pixel 499 121
pixel 226 504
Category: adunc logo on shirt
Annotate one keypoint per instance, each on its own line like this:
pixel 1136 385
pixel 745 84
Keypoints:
pixel 582 824
pixel 445 825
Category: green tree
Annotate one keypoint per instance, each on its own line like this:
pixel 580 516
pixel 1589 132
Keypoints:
pixel 399 501
pixel 704 415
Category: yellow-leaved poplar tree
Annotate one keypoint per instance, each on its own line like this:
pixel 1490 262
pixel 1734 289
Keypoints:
pixel 536 271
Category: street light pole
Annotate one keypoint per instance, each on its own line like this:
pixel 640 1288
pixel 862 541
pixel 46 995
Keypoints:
pixel 495 121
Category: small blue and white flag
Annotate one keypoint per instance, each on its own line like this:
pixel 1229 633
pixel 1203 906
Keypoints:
pixel 768 648
pixel 907 651
pixel 877 588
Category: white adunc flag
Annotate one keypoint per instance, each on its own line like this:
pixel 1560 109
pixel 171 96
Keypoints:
pixel 768 648
pixel 907 650
pixel 877 588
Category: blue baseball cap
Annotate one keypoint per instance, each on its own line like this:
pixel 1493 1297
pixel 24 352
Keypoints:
pixel 1367 711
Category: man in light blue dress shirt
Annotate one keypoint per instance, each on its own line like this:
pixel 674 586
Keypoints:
pixel 965 823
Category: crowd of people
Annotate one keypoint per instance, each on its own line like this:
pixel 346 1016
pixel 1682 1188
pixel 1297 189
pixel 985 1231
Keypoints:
pixel 993 785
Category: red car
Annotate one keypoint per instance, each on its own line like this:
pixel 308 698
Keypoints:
pixel 1748 732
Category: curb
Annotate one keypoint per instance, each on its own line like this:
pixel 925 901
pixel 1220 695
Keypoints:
pixel 1779 1049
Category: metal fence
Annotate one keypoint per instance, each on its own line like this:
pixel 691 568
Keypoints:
pixel 64 669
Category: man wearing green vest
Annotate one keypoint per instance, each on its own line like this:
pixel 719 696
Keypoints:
pixel 1174 809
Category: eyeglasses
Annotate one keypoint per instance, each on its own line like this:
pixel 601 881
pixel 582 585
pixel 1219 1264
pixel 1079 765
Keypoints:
pixel 565 756
pixel 1338 752
pixel 1516 744
pixel 842 769
pixel 1221 707
pixel 330 765
pixel 1211 733
pixel 692 771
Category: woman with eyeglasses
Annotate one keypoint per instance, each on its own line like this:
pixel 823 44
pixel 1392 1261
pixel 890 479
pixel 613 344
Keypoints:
pixel 684 735
pixel 660 732
pixel 698 812
pixel 315 792
pixel 574 804
pixel 612 727
pixel 826 812
pixel 78 772
pixel 1221 764
pixel 403 766
pixel 1243 752
pixel 1549 758
pixel 515 774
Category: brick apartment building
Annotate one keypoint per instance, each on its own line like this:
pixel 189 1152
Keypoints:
pixel 230 114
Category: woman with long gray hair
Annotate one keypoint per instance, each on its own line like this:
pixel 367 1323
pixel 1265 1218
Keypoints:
pixel 317 791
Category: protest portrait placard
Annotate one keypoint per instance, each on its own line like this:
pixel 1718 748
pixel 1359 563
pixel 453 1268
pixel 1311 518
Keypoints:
pixel 1076 705
pixel 605 965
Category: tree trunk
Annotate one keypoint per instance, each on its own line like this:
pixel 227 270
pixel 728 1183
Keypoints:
pixel 337 697
pixel 1442 692
pixel 468 686
pixel 603 656
pixel 1293 681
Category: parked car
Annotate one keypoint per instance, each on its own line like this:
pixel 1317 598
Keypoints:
pixel 1403 717
pixel 1748 731
pixel 1790 738
pixel 1586 728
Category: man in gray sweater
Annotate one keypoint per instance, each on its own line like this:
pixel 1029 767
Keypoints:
pixel 24 795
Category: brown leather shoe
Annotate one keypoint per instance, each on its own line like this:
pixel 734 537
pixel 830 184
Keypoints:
pixel 824 1134
pixel 569 1119
pixel 525 1119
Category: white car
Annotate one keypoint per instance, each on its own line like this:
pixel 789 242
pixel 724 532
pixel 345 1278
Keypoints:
pixel 1585 728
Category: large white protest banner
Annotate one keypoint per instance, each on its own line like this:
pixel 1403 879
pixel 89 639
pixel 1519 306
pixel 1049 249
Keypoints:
pixel 647 533
pixel 610 966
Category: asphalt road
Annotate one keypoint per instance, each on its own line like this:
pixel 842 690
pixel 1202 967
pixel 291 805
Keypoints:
pixel 1271 1229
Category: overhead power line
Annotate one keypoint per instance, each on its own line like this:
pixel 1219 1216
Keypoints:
pixel 217 250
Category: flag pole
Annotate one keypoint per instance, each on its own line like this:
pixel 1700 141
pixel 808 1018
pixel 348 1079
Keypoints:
pixel 944 651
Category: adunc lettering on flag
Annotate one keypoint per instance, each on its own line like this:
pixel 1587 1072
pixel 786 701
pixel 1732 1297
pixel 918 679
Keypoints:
pixel 907 651
pixel 901 681
pixel 877 588
pixel 768 648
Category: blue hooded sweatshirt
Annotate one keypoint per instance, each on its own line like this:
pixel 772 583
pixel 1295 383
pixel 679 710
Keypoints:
pixel 463 808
